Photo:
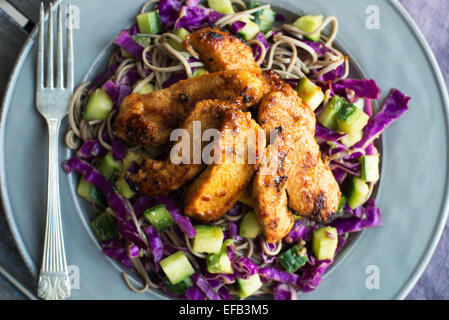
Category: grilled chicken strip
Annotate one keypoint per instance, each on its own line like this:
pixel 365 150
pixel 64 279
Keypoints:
pixel 222 51
pixel 269 191
pixel 161 177
pixel 150 119
pixel 311 187
pixel 218 188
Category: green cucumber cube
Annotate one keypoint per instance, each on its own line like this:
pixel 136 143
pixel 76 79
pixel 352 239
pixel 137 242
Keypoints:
pixel 324 243
pixel 358 192
pixel 109 167
pixel 159 217
pixel 146 89
pixel 182 34
pixel 249 227
pixel 293 259
pixel 249 31
pixel 105 227
pixel 351 120
pixel 179 288
pixel 328 116
pixel 370 168
pixel 350 140
pixel 342 203
pixel 248 287
pixel 124 189
pixel 208 239
pixel 220 262
pixel 222 6
pixel 143 40
pixel 177 267
pixel 98 106
pixel 125 54
pixel 310 93
pixel 264 18
pixel 91 193
pixel 310 24
pixel 149 22
pixel 200 72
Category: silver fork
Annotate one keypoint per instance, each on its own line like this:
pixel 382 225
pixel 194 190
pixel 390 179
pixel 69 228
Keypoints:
pixel 51 101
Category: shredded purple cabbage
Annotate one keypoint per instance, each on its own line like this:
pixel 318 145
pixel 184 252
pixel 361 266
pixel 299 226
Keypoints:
pixel 244 267
pixel 126 42
pixel 362 88
pixel 369 217
pixel 182 221
pixel 195 293
pixel 118 149
pixel 169 12
pixel 91 149
pixel 116 249
pixel 205 287
pixel 312 274
pixel 283 291
pixel 327 134
pixel 192 18
pixel 156 246
pixel 272 273
pixel 395 106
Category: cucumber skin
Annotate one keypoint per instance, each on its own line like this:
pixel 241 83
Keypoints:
pixel 180 288
pixel 159 217
pixel 105 227
pixel 357 193
pixel 221 6
pixel 309 24
pixel 249 227
pixel 328 117
pixel 149 22
pixel 293 259
pixel 323 246
pixel 249 286
pixel 370 163
pixel 177 267
pixel 208 239
pixel 249 31
pixel 98 106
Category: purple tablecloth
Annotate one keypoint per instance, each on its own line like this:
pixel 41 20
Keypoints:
pixel 431 17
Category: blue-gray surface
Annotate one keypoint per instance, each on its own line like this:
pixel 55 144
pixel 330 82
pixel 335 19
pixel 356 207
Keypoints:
pixel 431 17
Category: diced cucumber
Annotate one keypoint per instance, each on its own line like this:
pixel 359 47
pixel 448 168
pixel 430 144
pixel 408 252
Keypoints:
pixel 146 88
pixel 98 106
pixel 264 18
pixel 342 203
pixel 327 116
pixel 200 72
pixel 293 259
pixel 310 93
pixel 149 22
pixel 360 104
pixel 143 40
pixel 105 227
pixel 324 243
pixel 159 217
pixel 124 189
pixel 249 286
pixel 222 6
pixel 91 193
pixel 177 267
pixel 109 167
pixel 350 140
pixel 182 34
pixel 351 120
pixel 249 31
pixel 179 288
pixel 247 199
pixel 370 168
pixel 358 192
pixel 249 227
pixel 310 24
pixel 208 239
pixel 121 184
pixel 220 262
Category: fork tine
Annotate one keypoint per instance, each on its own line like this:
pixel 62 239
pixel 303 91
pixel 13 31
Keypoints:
pixel 40 50
pixel 70 72
pixel 60 57
pixel 50 48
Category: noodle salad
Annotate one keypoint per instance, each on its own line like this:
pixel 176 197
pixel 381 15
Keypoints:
pixel 229 258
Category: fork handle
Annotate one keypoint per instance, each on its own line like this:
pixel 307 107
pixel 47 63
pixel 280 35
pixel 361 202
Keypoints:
pixel 53 277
